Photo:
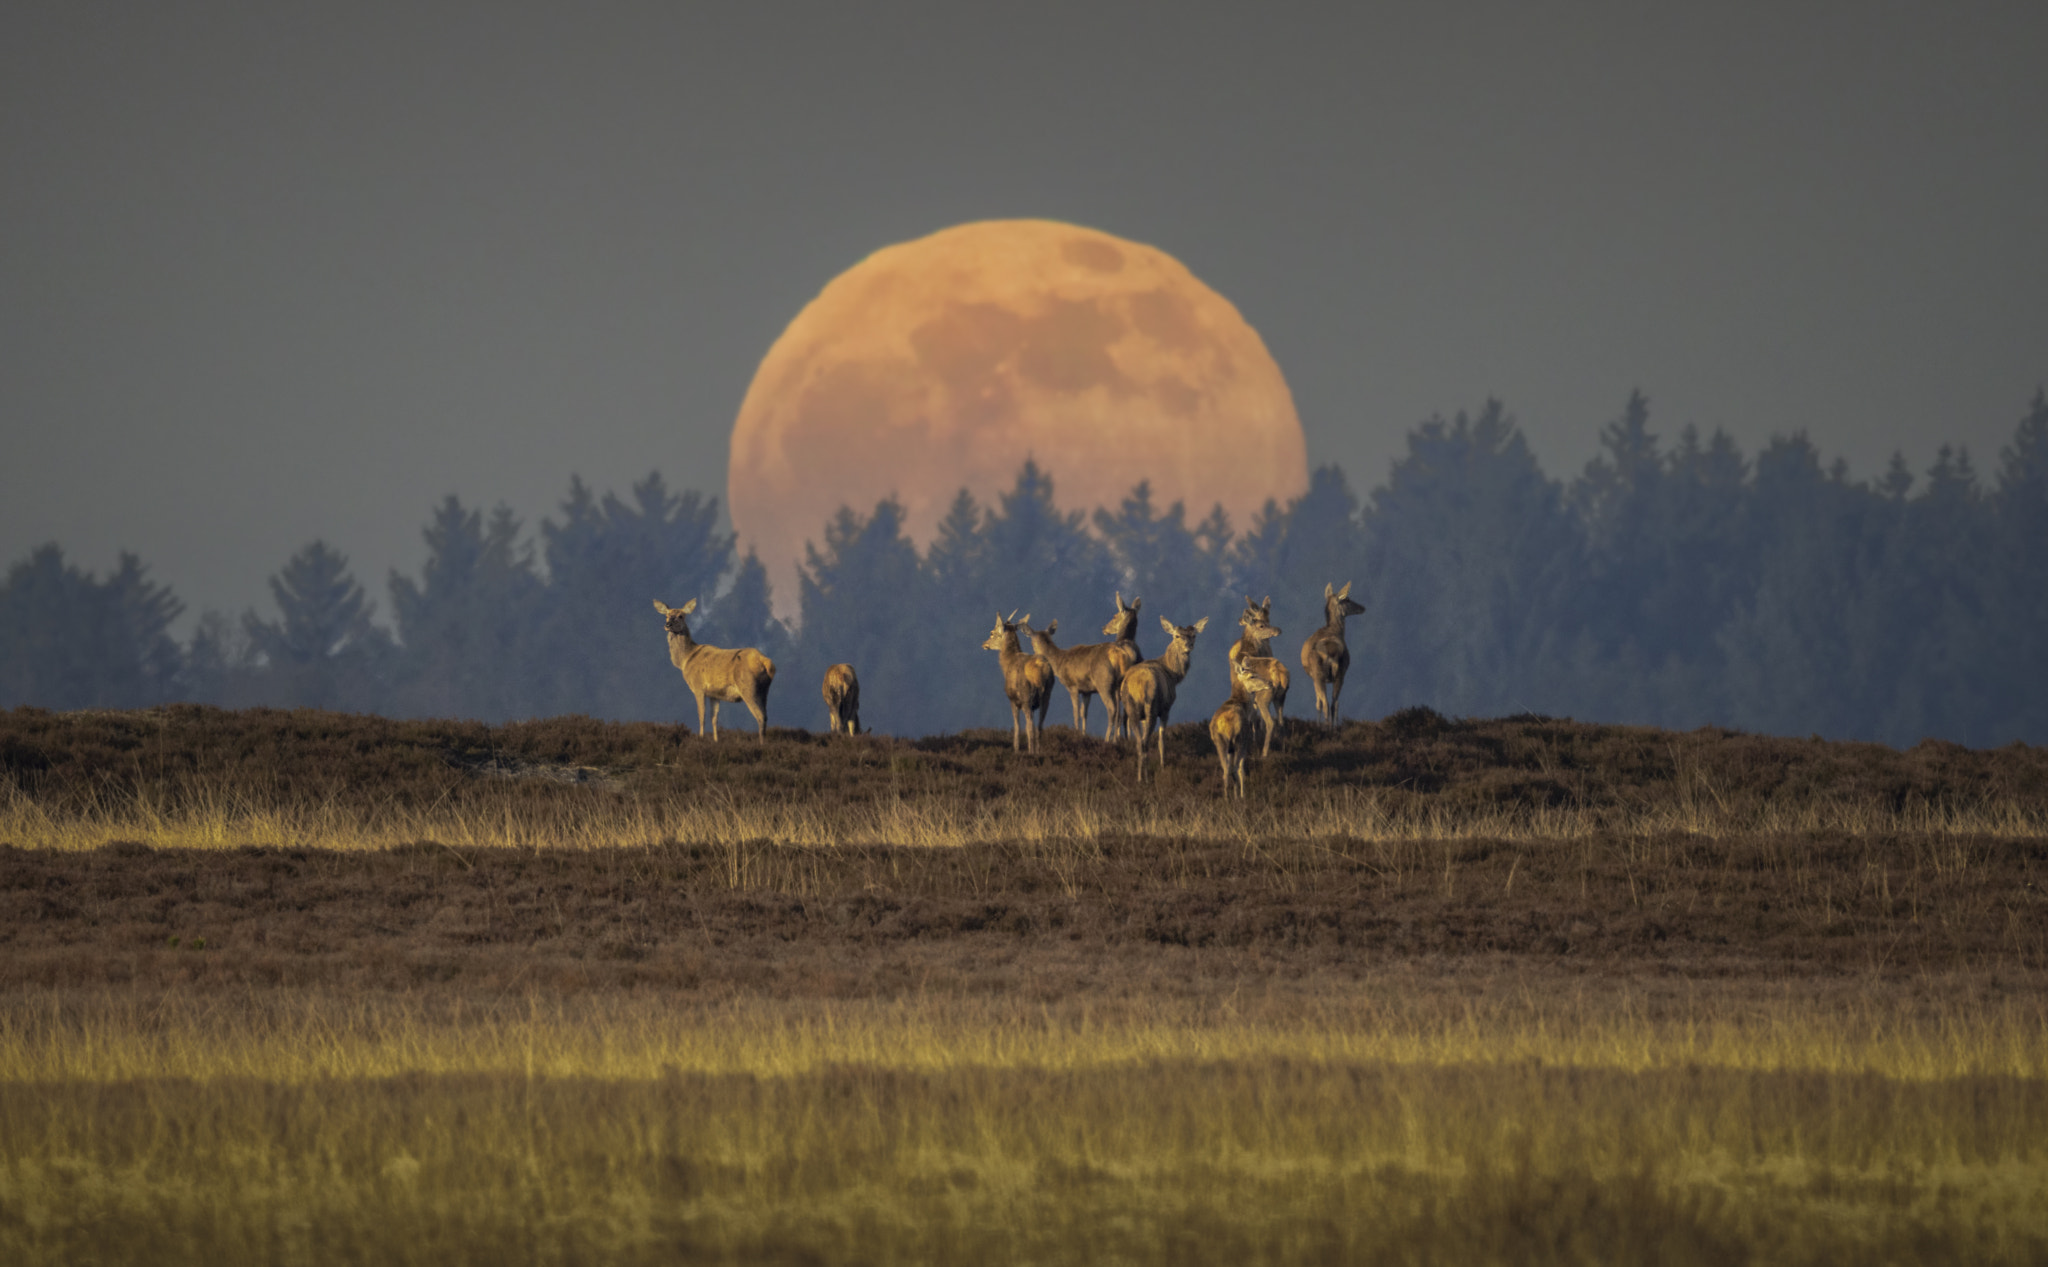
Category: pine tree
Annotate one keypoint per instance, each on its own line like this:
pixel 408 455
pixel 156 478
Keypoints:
pixel 1470 559
pixel 322 650
pixel 70 640
pixel 469 625
pixel 607 561
pixel 864 602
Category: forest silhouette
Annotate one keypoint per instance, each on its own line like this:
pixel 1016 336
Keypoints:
pixel 1678 584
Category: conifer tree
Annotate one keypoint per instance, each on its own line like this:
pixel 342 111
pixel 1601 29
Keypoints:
pixel 1470 557
pixel 469 625
pixel 70 640
pixel 322 650
pixel 608 559
pixel 864 602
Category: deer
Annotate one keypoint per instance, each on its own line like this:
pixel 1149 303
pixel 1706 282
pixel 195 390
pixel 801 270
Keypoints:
pixel 1148 689
pixel 1085 671
pixel 1027 681
pixel 842 699
pixel 1254 648
pixel 716 675
pixel 1324 655
pixel 1233 718
pixel 1122 630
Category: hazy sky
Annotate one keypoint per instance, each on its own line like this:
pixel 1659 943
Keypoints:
pixel 270 273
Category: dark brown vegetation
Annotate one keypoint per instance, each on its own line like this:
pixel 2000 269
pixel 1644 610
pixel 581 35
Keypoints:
pixel 1051 919
pixel 73 760
pixel 1508 991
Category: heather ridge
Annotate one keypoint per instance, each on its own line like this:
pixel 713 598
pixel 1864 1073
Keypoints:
pixel 1414 762
pixel 299 984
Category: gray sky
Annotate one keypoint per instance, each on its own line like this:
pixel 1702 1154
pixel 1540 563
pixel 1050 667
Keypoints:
pixel 275 272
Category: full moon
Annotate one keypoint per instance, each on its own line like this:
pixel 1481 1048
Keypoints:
pixel 944 363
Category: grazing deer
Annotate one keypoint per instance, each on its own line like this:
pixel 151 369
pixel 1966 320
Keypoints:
pixel 1027 680
pixel 1255 649
pixel 1325 656
pixel 1122 631
pixel 1227 726
pixel 715 675
pixel 842 698
pixel 1085 671
pixel 1148 689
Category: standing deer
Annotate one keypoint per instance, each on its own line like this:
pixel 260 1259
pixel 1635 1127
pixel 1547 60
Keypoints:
pixel 1325 656
pixel 842 699
pixel 1086 672
pixel 1148 689
pixel 1122 630
pixel 1227 726
pixel 715 675
pixel 1255 648
pixel 1027 681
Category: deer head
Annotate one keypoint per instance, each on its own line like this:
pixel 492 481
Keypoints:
pixel 1257 627
pixel 1004 636
pixel 1125 623
pixel 1183 635
pixel 1337 603
pixel 676 619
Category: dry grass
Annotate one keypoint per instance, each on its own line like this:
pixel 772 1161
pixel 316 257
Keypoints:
pixel 295 987
pixel 619 1130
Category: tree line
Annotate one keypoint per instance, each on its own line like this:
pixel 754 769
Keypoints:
pixel 1678 583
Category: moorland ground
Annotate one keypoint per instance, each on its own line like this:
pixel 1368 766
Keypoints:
pixel 299 985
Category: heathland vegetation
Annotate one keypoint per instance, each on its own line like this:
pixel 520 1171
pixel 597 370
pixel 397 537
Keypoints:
pixel 293 985
pixel 1672 582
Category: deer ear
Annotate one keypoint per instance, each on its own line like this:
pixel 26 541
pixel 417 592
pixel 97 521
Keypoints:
pixel 1026 622
pixel 1201 624
pixel 1346 591
pixel 1052 626
pixel 1329 591
pixel 1167 625
pixel 1119 600
pixel 688 607
pixel 661 607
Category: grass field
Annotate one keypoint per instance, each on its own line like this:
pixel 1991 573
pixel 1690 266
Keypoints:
pixel 297 987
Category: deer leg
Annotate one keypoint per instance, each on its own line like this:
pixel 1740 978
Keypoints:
pixel 700 717
pixel 760 712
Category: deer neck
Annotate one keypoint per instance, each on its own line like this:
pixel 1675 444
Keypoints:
pixel 1334 625
pixel 1012 651
pixel 681 647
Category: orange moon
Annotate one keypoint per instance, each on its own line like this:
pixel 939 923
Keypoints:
pixel 945 362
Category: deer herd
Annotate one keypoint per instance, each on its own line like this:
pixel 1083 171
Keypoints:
pixel 1137 693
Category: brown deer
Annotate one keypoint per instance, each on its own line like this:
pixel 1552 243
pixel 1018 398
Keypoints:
pixel 1148 689
pixel 1255 648
pixel 1122 631
pixel 1230 722
pixel 715 675
pixel 1027 681
pixel 1086 672
pixel 842 699
pixel 1325 656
